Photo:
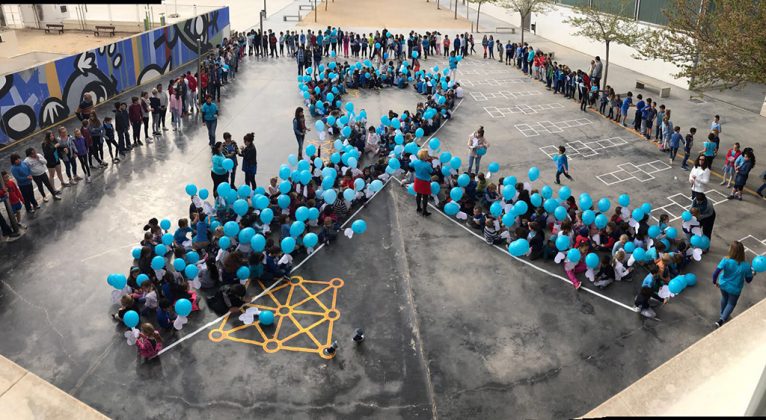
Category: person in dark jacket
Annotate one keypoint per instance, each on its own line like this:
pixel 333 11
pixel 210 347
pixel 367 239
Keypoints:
pixel 300 129
pixel 136 118
pixel 122 125
pixel 249 160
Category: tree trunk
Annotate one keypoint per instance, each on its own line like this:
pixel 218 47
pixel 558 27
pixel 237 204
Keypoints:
pixel 478 13
pixel 522 27
pixel 606 63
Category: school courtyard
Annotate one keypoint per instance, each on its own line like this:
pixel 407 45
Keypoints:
pixel 454 328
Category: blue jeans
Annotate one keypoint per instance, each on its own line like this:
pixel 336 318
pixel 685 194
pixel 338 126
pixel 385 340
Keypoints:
pixel 474 159
pixel 211 125
pixel 673 152
pixel 728 302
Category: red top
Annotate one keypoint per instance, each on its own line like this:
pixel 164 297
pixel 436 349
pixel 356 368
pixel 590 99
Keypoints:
pixel 192 82
pixel 203 80
pixel 134 113
pixel 13 192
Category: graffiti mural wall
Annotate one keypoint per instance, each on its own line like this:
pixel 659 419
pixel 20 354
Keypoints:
pixel 45 95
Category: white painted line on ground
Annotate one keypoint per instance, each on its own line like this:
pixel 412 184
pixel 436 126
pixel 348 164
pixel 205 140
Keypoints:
pixel 268 289
pixel 530 264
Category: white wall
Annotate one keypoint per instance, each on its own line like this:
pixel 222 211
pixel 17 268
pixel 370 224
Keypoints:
pixel 551 26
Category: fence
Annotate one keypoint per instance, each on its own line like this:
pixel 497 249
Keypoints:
pixel 46 95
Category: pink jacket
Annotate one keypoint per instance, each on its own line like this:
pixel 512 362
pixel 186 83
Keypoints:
pixel 176 104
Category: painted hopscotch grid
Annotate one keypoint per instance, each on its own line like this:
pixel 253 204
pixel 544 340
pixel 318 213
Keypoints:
pixel 582 149
pixel 503 94
pixel 493 82
pixel 547 127
pixel 682 201
pixel 754 245
pixel 525 109
pixel 629 171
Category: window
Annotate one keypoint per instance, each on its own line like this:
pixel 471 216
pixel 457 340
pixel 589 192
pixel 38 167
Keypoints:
pixel 653 11
pixel 574 2
pixel 63 9
pixel 625 8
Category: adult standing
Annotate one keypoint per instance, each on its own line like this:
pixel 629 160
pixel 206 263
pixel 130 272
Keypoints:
pixel 230 151
pixel 53 161
pixel 729 277
pixel 210 118
pixel 37 167
pixel 596 72
pixel 191 93
pixel 66 150
pixel 218 172
pixel 162 96
pixel 423 170
pixel 300 129
pixel 477 147
pixel 300 58
pixel 250 160
pixel 706 213
pixel 699 176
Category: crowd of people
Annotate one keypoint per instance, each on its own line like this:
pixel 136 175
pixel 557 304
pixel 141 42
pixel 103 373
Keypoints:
pixel 81 151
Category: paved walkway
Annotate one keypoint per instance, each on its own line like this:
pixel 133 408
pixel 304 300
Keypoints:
pixel 24 395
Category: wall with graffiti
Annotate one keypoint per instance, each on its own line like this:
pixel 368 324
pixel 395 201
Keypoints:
pixel 45 95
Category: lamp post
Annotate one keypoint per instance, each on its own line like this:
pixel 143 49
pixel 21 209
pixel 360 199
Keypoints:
pixel 199 66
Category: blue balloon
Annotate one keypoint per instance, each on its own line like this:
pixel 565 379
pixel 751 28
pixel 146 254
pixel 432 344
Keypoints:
pixel 130 319
pixel 167 239
pixel 136 253
pixel 588 217
pixel 231 228
pixel 191 189
pixel 481 151
pixel 533 173
pixel 639 254
pixel 191 271
pixel 591 260
pixel 118 281
pixel 603 205
pixel 451 208
pixel 310 240
pixel 519 247
pixel 245 235
pixel 463 180
pixel 297 228
pixel 376 185
pixel 509 191
pixel 456 193
pixel 192 257
pixel 494 167
pixel 141 278
pixel 562 243
pixel 359 184
pixel 536 199
pixel 759 264
pixel 638 214
pixel 565 192
pixel 419 133
pixel 179 264
pixel 496 209
pixel 165 223
pixel 508 219
pixel 455 162
pixel 243 273
pixel 550 205
pixel 244 191
pixel 261 201
pixel 629 247
pixel 560 213
pixel 203 194
pixel 266 318
pixel 691 279
pixel 654 231
pixel 160 249
pixel 434 143
pixel 671 233
pixel 647 208
pixel 520 208
pixel 510 180
pixel 329 196
pixel 228 164
pixel 624 200
pixel 224 242
pixel 288 245
pixel 601 221
pixel 283 201
pixel 284 172
pixel 328 183
pixel 677 285
pixel 183 307
pixel 267 215
pixel 359 226
pixel 158 263
pixel 335 158
pixel 313 213
pixel 686 216
pixel 547 192
pixel 574 255
pixel 284 187
pixel 241 207
pixel 303 164
pixel 258 243
pixel 302 213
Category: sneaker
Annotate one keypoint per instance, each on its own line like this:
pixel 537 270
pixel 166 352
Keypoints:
pixel 87 180
pixel 57 197
pixel 718 323
pixel 722 183
pixel 45 199
pixel 37 207
pixel 104 164
pixel 77 178
pixel 149 141
pixel 731 197
pixel 577 285
pixel 164 129
pixel 427 213
pixel 73 182
pixel 64 184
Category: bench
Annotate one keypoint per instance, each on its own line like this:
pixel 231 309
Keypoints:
pixel 54 27
pixel 505 30
pixel 663 90
pixel 296 18
pixel 305 7
pixel 104 29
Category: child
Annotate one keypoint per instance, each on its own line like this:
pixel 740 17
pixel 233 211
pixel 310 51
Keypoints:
pixel 165 317
pixel 688 143
pixel 572 269
pixel 728 165
pixel 328 232
pixel 15 198
pixel 149 342
pixel 180 236
pixel 491 230
pixel 477 221
pixel 127 303
pixel 620 271
pixel 81 149
pixel 273 191
pixel 649 289
pixel 606 273
pixel 562 165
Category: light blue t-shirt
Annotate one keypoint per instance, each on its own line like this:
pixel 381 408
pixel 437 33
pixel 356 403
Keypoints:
pixel 709 148
pixel 733 274
pixel 423 170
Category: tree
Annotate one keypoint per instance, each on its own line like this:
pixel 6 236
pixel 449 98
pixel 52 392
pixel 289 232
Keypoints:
pixel 478 10
pixel 525 8
pixel 612 26
pixel 711 41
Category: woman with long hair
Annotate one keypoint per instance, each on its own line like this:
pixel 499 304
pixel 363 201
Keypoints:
pixel 249 160
pixel 699 176
pixel 52 158
pixel 218 172
pixel 300 129
pixel 729 277
pixel 423 170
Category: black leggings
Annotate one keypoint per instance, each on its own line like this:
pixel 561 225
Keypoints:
pixel 43 180
pixel 250 180
pixel 422 201
pixel 217 180
pixel 146 127
pixel 136 125
pixel 84 162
